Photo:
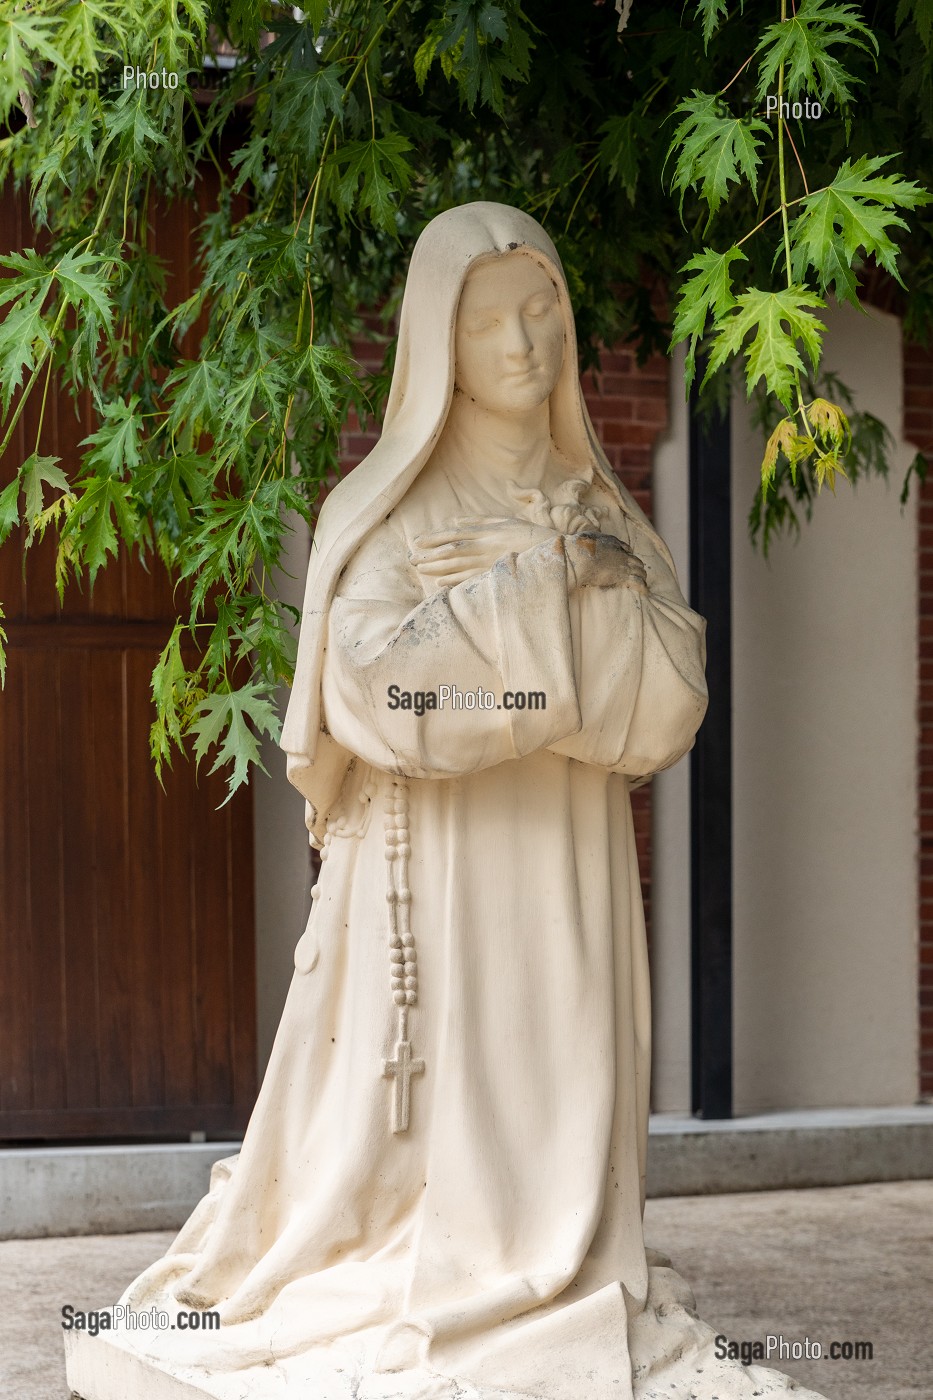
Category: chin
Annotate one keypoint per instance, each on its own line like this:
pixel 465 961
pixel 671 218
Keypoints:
pixel 523 397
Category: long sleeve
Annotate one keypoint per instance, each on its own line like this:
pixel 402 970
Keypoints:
pixel 621 671
pixel 639 661
pixel 507 630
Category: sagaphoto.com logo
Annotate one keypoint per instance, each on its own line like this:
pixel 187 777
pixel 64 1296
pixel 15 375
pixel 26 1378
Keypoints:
pixel 114 78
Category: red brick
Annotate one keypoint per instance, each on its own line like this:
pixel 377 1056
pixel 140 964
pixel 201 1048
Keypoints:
pixel 651 411
pixel 630 434
pixel 610 408
pixel 616 361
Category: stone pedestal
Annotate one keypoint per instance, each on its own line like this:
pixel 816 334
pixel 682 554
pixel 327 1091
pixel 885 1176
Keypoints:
pixel 99 1368
pixel 103 1368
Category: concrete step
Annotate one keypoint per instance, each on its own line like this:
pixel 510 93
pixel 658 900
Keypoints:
pixel 53 1191
pixel 806 1147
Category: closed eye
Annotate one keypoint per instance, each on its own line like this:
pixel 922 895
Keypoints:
pixel 539 306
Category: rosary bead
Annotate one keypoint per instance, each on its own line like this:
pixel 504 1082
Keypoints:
pixel 390 853
pixel 400 998
pixel 411 984
pixel 404 849
pixel 410 968
pixel 410 998
pixel 408 940
pixel 391 838
pixel 396 955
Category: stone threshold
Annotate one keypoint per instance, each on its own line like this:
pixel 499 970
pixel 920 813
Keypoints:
pixel 110 1190
pixel 801 1148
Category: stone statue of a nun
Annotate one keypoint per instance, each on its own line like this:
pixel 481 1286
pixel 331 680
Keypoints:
pixel 440 1191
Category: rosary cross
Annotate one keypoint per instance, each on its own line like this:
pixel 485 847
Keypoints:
pixel 401 1070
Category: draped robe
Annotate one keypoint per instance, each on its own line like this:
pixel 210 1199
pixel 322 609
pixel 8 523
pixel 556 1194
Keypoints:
pixel 497 1243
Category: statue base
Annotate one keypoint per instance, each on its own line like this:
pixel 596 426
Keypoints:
pixel 102 1368
pixel 108 1367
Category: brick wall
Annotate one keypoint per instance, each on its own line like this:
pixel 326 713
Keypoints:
pixel 918 429
pixel 628 406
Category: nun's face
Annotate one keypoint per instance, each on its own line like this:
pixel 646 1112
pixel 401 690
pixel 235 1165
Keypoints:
pixel 509 335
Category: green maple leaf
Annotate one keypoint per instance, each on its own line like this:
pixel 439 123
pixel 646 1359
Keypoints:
pixel 23 38
pixel 85 285
pixel 186 478
pixel 322 367
pixel 168 688
pixel 197 394
pixel 852 216
pixel 316 11
pixel 713 13
pixel 224 719
pixel 9 509
pixel 921 12
pixel 776 321
pixel 90 31
pixel 708 293
pixel 715 149
pixel 618 151
pixel 129 129
pixel 384 172
pixel 236 532
pixel 802 44
pixel 116 443
pixel 90 532
pixel 303 102
pixel 24 335
pixel 33 275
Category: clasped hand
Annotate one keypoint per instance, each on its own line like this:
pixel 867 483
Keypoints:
pixel 472 545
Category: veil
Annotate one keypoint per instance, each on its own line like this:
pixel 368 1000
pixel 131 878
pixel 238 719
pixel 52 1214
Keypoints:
pixel 419 400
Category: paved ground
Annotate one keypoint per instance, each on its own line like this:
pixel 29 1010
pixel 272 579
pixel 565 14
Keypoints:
pixel 850 1263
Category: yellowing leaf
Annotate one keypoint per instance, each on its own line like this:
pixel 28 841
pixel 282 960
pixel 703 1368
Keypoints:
pixel 826 467
pixel 788 440
pixel 829 420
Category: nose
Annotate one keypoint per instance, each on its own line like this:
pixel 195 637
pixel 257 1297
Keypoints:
pixel 518 343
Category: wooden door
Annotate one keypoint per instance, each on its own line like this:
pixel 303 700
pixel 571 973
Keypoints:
pixel 127 984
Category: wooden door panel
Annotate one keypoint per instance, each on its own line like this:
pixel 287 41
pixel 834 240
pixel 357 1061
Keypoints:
pixel 126 912
pixel 127 982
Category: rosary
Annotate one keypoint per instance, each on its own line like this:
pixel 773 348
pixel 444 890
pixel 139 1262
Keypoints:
pixel 403 959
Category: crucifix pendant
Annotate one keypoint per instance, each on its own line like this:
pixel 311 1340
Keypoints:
pixel 401 1070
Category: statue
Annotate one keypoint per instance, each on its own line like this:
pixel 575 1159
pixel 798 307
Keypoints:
pixel 440 1192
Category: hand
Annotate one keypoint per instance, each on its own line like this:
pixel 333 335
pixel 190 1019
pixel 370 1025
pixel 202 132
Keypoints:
pixel 472 545
pixel 602 561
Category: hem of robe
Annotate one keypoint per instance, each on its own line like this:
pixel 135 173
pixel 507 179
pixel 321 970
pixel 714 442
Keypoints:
pixel 594 1348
